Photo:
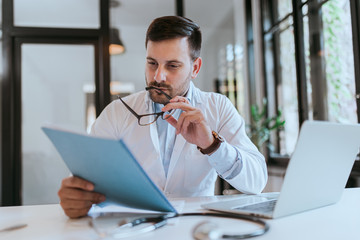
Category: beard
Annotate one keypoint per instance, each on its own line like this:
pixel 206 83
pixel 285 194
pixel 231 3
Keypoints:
pixel 158 97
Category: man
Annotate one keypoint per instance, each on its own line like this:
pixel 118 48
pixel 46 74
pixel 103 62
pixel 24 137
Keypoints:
pixel 195 136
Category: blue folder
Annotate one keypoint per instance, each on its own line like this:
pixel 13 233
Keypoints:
pixel 111 167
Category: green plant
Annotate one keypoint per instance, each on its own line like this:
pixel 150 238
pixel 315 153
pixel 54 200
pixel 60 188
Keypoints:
pixel 261 125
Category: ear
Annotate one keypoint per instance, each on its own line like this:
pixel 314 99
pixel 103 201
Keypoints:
pixel 196 67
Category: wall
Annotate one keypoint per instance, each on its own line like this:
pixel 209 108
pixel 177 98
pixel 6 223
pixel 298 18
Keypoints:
pixel 130 66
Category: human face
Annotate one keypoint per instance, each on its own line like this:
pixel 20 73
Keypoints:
pixel 170 68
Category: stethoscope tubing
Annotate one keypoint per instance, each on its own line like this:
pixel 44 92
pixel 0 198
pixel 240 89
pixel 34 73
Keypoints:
pixel 162 220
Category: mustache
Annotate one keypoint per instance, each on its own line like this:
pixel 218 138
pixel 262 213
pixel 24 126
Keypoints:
pixel 159 85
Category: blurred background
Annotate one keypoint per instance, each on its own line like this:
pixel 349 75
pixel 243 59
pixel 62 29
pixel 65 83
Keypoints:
pixel 284 59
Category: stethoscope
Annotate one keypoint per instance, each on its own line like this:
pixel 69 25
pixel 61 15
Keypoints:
pixel 202 231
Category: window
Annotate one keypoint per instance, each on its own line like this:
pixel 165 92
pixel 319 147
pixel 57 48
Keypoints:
pixel 339 59
pixel 280 71
pixel 309 59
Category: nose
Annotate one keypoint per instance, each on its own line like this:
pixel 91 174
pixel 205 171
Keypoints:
pixel 160 74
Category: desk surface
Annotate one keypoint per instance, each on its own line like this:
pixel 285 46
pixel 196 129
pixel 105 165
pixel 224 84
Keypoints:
pixel 338 221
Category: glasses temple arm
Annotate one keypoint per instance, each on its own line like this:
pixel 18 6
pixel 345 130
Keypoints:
pixel 129 108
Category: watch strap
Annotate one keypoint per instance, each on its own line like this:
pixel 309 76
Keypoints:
pixel 214 146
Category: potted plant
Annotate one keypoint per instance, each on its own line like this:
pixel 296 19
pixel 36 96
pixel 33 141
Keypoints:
pixel 261 125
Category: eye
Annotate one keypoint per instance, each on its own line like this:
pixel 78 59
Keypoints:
pixel 151 63
pixel 173 66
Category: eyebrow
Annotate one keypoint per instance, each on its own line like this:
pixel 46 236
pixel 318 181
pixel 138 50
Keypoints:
pixel 168 62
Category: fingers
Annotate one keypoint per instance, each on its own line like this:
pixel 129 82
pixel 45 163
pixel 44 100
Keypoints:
pixel 180 104
pixel 189 116
pixel 191 123
pixel 66 193
pixel 180 99
pixel 183 123
pixel 78 207
pixel 75 204
pixel 76 196
pixel 75 208
pixel 185 120
pixel 76 213
pixel 172 121
pixel 76 182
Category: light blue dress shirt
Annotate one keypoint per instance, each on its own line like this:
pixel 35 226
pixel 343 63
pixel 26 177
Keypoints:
pixel 167 136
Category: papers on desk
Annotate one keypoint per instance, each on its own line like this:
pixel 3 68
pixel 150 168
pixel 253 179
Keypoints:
pixel 111 167
pixel 96 209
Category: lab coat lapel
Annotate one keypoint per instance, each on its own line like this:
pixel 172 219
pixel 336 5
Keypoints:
pixel 153 131
pixel 178 148
pixel 155 138
pixel 156 145
pixel 180 141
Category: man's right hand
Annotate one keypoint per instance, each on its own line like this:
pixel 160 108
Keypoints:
pixel 77 196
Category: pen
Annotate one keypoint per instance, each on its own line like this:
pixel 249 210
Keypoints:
pixel 14 227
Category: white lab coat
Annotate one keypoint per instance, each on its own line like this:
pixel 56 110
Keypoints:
pixel 189 173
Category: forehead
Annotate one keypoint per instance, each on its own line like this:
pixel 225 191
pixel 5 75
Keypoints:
pixel 171 49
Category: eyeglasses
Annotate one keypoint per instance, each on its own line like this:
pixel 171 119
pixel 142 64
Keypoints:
pixel 147 119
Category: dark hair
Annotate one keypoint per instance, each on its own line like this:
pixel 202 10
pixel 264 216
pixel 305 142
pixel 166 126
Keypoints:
pixel 171 27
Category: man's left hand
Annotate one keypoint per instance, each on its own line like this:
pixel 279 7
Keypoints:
pixel 191 123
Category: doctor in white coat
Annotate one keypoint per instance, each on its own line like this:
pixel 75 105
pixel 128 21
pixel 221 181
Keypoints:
pixel 183 138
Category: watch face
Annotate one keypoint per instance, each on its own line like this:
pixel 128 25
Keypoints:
pixel 217 136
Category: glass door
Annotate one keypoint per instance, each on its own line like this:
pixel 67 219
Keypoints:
pixel 57 84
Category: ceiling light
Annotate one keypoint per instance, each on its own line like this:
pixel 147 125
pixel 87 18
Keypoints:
pixel 116 45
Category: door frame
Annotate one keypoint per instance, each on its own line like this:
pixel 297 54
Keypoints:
pixel 10 109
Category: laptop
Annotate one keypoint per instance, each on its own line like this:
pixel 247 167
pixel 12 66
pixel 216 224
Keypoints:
pixel 315 177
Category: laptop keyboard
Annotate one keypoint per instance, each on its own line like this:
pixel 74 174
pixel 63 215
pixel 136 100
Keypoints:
pixel 265 207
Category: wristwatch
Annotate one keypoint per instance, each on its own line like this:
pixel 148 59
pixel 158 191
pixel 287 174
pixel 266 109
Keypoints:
pixel 214 146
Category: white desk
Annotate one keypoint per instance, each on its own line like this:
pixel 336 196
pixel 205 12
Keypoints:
pixel 339 221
